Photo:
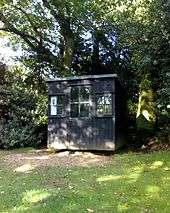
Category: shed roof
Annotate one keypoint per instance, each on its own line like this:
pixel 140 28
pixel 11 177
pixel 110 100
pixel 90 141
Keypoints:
pixel 83 77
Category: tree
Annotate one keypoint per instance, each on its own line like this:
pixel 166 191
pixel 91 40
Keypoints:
pixel 50 30
pixel 65 37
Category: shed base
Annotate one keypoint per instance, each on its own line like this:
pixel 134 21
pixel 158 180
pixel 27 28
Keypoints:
pixel 108 146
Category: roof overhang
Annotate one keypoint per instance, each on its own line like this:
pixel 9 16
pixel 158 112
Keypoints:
pixel 83 77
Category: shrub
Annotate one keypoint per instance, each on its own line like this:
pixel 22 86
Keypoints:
pixel 23 112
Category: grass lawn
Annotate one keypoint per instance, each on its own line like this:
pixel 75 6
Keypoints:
pixel 133 182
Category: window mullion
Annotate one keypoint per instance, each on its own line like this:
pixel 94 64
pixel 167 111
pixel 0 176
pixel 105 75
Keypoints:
pixel 104 104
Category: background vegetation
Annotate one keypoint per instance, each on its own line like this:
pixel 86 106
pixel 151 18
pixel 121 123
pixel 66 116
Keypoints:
pixel 75 37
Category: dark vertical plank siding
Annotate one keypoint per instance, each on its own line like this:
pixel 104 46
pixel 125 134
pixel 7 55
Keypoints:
pixel 121 117
pixel 101 85
pixel 114 115
pixel 80 133
pixel 103 133
pixel 57 132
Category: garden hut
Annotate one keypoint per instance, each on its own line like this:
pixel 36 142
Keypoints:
pixel 86 113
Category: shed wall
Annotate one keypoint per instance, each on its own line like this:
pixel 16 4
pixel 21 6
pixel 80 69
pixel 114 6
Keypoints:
pixel 92 133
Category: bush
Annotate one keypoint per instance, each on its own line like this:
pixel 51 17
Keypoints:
pixel 23 114
pixel 15 135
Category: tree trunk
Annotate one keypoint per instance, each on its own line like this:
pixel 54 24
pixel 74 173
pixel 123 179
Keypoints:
pixel 145 118
pixel 67 55
pixel 95 54
pixel 67 44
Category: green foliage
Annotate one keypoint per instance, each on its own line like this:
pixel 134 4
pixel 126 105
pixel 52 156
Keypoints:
pixel 23 111
pixel 93 37
pixel 143 124
pixel 14 135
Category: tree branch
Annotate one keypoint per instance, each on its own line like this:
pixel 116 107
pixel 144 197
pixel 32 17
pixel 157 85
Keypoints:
pixel 10 28
pixel 31 41
pixel 34 27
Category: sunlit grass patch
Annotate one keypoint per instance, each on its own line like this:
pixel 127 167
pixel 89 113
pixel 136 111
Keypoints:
pixel 109 178
pixel 156 164
pixel 34 196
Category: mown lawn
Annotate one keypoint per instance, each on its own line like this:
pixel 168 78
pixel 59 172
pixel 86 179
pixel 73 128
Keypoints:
pixel 133 182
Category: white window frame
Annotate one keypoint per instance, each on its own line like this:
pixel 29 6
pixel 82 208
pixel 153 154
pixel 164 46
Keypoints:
pixel 56 105
pixel 79 102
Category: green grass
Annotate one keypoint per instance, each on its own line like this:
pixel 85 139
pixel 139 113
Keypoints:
pixel 132 183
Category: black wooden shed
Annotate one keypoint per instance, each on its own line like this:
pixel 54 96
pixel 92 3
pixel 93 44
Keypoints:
pixel 86 113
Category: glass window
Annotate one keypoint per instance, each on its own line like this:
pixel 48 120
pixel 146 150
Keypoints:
pixel 80 97
pixel 74 110
pixel 75 94
pixel 84 94
pixel 56 105
pixel 84 110
pixel 104 104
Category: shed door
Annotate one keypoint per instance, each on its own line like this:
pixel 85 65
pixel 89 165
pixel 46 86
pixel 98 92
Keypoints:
pixel 104 122
pixel 80 123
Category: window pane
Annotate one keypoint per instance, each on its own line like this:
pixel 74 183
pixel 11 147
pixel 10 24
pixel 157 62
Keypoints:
pixel 53 100
pixel 56 104
pixel 84 110
pixel 74 110
pixel 104 104
pixel 84 94
pixel 100 110
pixel 60 99
pixel 100 99
pixel 59 110
pixel 53 110
pixel 74 94
pixel 108 109
pixel 108 99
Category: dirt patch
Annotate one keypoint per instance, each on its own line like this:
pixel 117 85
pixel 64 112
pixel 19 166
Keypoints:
pixel 38 158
